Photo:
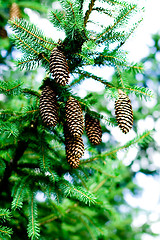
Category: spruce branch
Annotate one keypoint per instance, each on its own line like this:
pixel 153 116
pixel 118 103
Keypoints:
pixel 10 88
pixel 87 220
pixel 113 2
pixel 105 11
pixel 53 175
pixel 71 6
pixel 28 63
pixel 5 214
pixel 26 46
pixel 120 80
pixel 31 92
pixel 45 159
pixel 9 118
pixel 22 26
pixel 12 165
pixel 80 177
pixel 19 194
pixel 48 219
pixel 112 37
pixel 100 185
pixel 119 20
pixel 5 232
pixel 86 74
pixel 116 58
pixel 122 42
pixel 140 91
pixel 36 46
pixel 78 193
pixel 58 19
pixel 86 59
pixel 33 226
pixel 72 22
pixel 87 14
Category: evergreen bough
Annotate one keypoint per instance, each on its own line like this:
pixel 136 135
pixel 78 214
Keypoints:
pixel 35 159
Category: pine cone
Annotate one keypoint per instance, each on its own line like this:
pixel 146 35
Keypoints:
pixel 123 111
pixel 48 107
pixel 14 11
pixel 74 148
pixel 74 117
pixel 93 129
pixel 59 67
pixel 3 33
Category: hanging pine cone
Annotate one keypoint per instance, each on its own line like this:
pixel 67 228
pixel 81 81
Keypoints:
pixel 74 117
pixel 14 11
pixel 59 67
pixel 123 111
pixel 93 129
pixel 74 148
pixel 48 107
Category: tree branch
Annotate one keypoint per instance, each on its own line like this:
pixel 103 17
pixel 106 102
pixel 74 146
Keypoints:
pixel 89 11
pixel 12 165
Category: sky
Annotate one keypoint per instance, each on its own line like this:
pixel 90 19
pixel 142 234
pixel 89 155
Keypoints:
pixel 138 44
pixel 137 47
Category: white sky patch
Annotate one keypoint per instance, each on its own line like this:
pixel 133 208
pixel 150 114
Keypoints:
pixel 155 227
pixel 45 25
pixel 40 197
pixel 140 220
pixel 145 124
pixel 149 199
pixel 128 156
pixel 105 137
pixel 139 41
pixel 148 237
pixel 121 137
pixel 2 97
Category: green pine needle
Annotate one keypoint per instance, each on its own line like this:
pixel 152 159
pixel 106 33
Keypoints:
pixel 78 193
pixel 5 232
pixel 33 226
pixel 5 215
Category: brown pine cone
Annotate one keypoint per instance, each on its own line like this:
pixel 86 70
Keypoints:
pixel 123 112
pixel 14 11
pixel 59 67
pixel 74 148
pixel 48 107
pixel 93 129
pixel 74 117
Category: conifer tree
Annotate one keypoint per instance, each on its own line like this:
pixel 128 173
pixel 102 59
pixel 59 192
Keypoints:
pixel 83 202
